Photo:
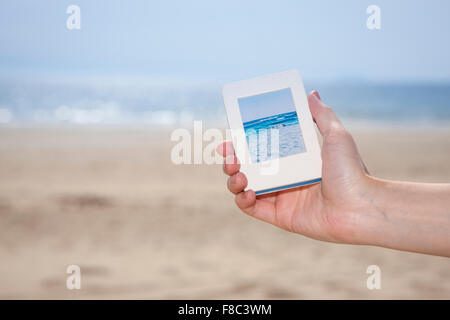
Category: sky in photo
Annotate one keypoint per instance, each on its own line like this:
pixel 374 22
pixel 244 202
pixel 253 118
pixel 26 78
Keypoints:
pixel 266 104
pixel 224 41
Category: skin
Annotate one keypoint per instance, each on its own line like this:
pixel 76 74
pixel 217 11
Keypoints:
pixel 349 205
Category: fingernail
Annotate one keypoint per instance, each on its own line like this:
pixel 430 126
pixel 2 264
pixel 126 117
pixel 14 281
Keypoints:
pixel 316 94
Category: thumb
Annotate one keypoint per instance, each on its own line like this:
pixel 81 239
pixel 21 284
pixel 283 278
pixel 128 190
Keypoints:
pixel 324 117
pixel 333 132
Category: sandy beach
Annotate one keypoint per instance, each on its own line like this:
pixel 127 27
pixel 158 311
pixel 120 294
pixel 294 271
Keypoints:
pixel 111 201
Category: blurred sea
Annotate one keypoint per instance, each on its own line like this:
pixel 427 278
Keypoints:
pixel 164 103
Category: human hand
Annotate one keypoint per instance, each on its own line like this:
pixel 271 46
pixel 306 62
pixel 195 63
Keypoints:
pixel 328 211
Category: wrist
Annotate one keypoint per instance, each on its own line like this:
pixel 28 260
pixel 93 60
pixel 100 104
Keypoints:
pixel 366 218
pixel 374 215
pixel 406 216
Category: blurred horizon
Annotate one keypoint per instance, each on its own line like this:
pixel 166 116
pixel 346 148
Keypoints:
pixel 147 102
pixel 165 62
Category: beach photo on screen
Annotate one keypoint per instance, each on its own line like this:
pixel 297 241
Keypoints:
pixel 271 125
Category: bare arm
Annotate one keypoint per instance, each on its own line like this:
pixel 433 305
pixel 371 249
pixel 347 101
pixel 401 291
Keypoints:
pixel 350 206
pixel 408 216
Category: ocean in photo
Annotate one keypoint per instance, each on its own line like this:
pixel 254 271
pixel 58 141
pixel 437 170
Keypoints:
pixel 263 133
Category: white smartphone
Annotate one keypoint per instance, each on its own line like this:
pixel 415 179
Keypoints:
pixel 273 132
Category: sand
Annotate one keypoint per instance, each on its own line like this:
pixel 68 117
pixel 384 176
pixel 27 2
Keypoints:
pixel 110 201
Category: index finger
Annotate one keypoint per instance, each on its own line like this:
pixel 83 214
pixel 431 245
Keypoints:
pixel 225 149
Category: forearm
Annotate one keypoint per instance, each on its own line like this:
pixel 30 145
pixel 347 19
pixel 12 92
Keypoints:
pixel 407 216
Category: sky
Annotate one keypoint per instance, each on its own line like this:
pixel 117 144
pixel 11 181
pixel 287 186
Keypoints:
pixel 220 41
pixel 266 104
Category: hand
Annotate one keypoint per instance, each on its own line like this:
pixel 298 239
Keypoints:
pixel 349 206
pixel 326 211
